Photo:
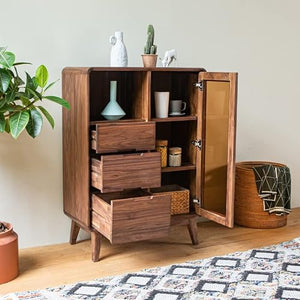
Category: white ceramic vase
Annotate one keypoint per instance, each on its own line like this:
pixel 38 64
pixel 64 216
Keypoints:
pixel 118 53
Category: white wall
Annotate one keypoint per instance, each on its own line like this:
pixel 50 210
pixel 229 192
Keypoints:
pixel 257 38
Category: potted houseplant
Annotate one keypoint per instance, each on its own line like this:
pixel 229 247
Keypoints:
pixel 150 57
pixel 21 108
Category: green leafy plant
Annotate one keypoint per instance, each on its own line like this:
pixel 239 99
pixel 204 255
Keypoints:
pixel 149 47
pixel 21 101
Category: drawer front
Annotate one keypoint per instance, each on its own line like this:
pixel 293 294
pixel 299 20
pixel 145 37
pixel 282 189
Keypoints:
pixel 126 171
pixel 132 219
pixel 118 137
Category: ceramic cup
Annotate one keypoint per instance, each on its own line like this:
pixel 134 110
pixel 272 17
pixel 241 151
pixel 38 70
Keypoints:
pixel 177 107
pixel 161 104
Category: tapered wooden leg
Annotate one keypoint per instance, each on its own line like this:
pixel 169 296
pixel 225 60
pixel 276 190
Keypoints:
pixel 96 244
pixel 74 232
pixel 193 230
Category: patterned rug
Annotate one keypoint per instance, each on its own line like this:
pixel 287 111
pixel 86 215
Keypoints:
pixel 267 273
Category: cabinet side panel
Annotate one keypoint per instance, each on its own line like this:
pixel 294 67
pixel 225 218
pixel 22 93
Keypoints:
pixel 76 147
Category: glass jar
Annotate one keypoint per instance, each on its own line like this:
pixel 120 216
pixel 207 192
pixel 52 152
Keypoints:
pixel 174 156
pixel 162 147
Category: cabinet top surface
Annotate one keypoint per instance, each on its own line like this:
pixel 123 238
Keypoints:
pixel 130 69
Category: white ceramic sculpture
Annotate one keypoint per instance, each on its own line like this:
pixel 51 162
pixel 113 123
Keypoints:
pixel 118 53
pixel 170 55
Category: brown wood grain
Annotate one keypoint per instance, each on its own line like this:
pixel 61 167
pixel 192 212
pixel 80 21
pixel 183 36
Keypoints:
pixel 118 137
pixel 233 77
pixel 139 216
pixel 96 244
pixel 127 171
pixel 183 167
pixel 175 119
pixel 76 144
pixel 102 223
pixel 74 232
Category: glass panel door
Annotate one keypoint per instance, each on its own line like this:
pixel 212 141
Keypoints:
pixel 217 156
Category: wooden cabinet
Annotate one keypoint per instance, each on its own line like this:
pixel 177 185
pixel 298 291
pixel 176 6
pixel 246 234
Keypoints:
pixel 109 167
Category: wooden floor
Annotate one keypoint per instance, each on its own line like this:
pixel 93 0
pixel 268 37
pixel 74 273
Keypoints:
pixel 42 267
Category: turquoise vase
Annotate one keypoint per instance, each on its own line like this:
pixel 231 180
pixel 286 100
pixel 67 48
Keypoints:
pixel 113 110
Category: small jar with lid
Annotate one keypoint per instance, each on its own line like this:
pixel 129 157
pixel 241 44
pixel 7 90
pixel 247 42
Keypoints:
pixel 175 157
pixel 162 147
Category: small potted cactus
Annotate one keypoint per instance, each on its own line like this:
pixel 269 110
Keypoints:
pixel 150 57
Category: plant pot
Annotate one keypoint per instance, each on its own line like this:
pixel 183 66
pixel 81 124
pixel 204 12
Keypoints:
pixel 9 258
pixel 149 60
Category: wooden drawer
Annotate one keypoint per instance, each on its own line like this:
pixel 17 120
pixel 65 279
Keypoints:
pixel 123 136
pixel 126 171
pixel 131 216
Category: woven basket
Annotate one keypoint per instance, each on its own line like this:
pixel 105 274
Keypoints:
pixel 180 198
pixel 248 206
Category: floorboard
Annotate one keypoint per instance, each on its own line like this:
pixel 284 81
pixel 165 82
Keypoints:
pixel 42 267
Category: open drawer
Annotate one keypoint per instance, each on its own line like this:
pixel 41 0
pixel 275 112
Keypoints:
pixel 126 171
pixel 110 137
pixel 131 216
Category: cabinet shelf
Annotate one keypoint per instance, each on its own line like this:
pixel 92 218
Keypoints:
pixel 183 167
pixel 175 119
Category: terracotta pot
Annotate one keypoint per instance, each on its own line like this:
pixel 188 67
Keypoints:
pixel 9 260
pixel 149 60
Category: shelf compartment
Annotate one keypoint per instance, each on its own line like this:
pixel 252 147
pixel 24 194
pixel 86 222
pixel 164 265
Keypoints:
pixel 175 119
pixel 131 215
pixel 181 87
pixel 183 167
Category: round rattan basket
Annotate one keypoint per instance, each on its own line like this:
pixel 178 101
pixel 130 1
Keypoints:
pixel 248 206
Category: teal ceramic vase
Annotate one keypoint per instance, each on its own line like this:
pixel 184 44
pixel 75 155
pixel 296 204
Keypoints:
pixel 113 110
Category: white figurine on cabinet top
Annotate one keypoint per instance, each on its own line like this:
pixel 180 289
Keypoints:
pixel 170 55
pixel 118 53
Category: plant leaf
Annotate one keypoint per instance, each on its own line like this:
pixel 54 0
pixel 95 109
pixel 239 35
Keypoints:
pixel 59 100
pixel 10 96
pixel 22 63
pixel 7 127
pixel 47 115
pixel 7 59
pixel 4 80
pixel 2 122
pixel 29 82
pixel 50 84
pixel 25 100
pixel 36 94
pixel 35 123
pixel 2 103
pixel 41 76
pixel 18 122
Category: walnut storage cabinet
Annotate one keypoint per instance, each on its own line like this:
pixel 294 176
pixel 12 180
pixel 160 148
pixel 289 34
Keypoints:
pixel 110 167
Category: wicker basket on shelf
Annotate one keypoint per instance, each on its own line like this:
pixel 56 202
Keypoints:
pixel 248 206
pixel 180 198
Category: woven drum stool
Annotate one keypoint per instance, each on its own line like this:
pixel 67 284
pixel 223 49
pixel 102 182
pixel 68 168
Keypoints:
pixel 248 206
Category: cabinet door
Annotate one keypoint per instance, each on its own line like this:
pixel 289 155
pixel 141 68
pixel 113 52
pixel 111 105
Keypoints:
pixel 216 159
